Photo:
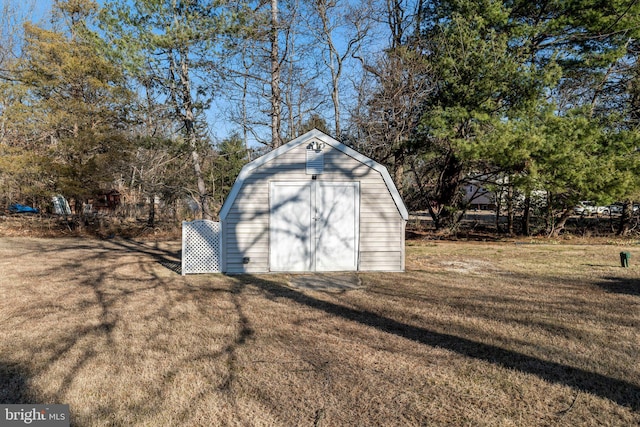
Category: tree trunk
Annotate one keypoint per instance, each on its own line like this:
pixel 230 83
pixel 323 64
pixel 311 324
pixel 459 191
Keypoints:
pixel 548 213
pixel 335 96
pixel 559 226
pixel 526 216
pixel 498 209
pixel 424 196
pixel 448 191
pixel 188 118
pixel 625 218
pixel 510 210
pixel 275 77
pixel 398 170
pixel 396 21
pixel 435 216
pixel 151 220
pixel 202 188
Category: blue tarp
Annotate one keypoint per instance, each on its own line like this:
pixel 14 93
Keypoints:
pixel 17 208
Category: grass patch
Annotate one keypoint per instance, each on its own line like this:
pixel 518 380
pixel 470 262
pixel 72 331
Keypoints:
pixel 472 334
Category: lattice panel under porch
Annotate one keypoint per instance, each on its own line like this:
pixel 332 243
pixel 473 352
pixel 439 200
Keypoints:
pixel 201 247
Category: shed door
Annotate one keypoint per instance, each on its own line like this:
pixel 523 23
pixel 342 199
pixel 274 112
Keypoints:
pixel 337 226
pixel 290 227
pixel 314 226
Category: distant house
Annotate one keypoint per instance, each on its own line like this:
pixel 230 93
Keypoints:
pixel 103 201
pixel 478 197
pixel 313 204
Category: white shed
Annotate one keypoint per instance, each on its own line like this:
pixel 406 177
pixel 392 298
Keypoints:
pixel 313 204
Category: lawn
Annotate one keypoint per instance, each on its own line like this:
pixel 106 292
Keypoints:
pixel 495 334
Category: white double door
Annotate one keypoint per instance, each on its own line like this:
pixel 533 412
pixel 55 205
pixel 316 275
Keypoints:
pixel 313 226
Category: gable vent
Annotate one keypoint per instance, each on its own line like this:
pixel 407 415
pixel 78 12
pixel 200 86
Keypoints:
pixel 315 160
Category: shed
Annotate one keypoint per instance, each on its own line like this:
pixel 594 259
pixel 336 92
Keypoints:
pixel 313 204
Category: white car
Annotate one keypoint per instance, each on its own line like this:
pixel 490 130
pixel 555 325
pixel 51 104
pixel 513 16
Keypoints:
pixel 586 208
pixel 616 208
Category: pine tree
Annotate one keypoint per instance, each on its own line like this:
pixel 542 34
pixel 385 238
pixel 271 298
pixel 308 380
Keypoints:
pixel 507 75
pixel 174 45
pixel 73 106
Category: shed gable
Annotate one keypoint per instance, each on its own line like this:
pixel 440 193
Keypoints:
pixel 309 138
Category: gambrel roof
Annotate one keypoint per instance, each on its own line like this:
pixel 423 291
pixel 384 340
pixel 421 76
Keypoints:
pixel 306 139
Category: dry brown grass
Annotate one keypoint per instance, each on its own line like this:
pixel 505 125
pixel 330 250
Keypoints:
pixel 495 334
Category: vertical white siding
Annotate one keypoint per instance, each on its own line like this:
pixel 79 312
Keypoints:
pixel 246 227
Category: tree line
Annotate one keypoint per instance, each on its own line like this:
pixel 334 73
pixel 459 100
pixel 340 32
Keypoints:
pixel 528 98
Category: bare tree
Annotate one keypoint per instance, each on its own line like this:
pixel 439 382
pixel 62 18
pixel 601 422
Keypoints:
pixel 333 19
pixel 391 111
pixel 252 84
pixel 394 84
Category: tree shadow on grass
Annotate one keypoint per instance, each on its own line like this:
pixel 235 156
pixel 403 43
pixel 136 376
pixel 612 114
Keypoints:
pixel 620 285
pixel 13 385
pixel 167 259
pixel 108 286
pixel 622 392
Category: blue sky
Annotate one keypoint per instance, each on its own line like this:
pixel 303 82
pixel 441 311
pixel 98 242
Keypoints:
pixel 39 11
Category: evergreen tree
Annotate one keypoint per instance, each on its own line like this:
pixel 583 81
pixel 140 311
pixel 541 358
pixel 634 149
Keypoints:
pixel 231 157
pixel 173 47
pixel 72 108
pixel 506 74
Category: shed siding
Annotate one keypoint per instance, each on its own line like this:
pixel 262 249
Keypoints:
pixel 246 226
